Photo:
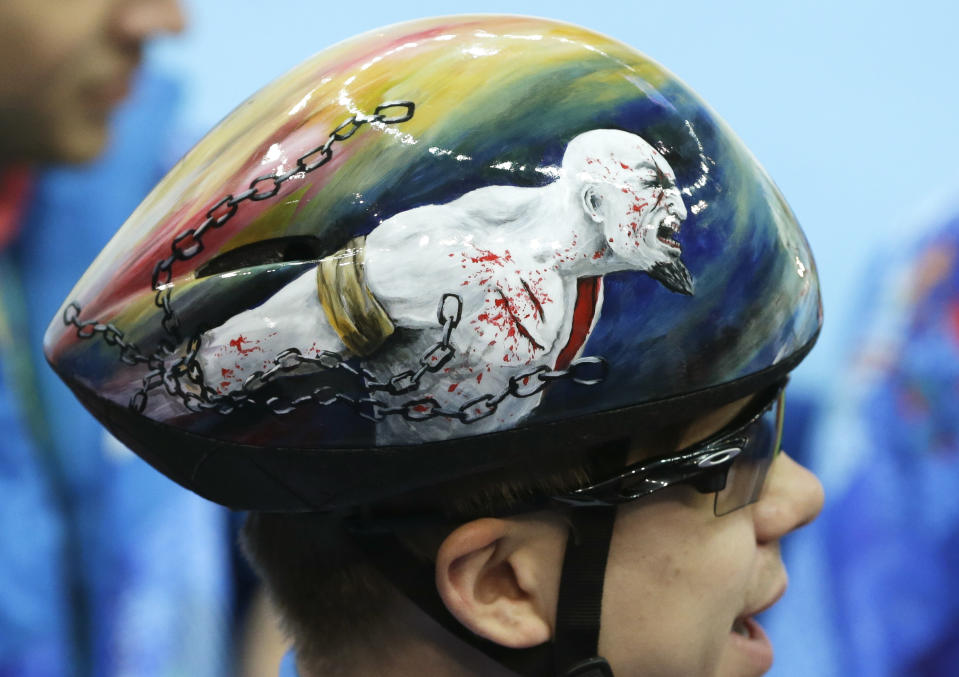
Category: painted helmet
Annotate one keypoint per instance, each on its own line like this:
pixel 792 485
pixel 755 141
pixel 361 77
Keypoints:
pixel 426 251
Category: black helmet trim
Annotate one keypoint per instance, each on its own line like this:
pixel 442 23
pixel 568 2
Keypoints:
pixel 248 477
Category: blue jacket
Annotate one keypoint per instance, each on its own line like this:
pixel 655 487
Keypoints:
pixel 106 567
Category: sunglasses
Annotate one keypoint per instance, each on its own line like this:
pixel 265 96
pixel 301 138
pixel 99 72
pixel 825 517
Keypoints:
pixel 732 464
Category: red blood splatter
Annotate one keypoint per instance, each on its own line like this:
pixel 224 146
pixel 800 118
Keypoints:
pixel 623 165
pixel 238 344
pixel 479 377
pixel 452 387
pixel 226 373
pixel 487 255
pixel 599 253
pixel 224 384
pixel 421 408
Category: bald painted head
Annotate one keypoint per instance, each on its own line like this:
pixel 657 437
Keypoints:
pixel 628 187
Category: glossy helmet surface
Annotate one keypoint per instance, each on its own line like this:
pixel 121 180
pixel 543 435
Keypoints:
pixel 428 250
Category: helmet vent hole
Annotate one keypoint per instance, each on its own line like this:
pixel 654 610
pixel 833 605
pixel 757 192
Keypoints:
pixel 293 249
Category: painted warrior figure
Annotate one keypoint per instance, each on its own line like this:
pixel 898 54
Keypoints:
pixel 522 267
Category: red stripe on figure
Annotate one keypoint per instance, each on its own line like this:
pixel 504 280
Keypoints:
pixel 587 296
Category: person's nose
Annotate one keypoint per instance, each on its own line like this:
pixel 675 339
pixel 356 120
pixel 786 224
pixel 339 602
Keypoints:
pixel 792 497
pixel 140 20
pixel 674 204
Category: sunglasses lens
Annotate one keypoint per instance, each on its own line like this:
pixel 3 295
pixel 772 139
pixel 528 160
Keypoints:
pixel 747 474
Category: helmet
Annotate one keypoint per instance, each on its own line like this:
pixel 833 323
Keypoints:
pixel 427 251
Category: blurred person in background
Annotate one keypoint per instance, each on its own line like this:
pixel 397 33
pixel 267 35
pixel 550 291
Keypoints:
pixel 876 589
pixel 104 568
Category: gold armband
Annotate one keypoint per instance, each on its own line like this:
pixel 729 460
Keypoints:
pixel 350 307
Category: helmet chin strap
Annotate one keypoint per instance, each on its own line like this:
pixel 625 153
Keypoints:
pixel 574 651
pixel 576 641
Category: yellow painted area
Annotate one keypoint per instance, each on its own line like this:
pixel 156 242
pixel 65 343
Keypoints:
pixel 455 69
pixel 266 225
pixel 460 72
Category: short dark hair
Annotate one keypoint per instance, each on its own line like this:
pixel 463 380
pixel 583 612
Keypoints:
pixel 332 600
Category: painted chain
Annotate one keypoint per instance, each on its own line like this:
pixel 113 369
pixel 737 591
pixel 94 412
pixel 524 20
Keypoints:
pixel 201 397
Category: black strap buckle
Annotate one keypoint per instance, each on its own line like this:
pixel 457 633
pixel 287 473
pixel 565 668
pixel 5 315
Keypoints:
pixel 591 667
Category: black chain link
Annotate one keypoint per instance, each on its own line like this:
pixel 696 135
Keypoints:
pixel 449 313
pixel 129 353
pixel 189 242
pixel 198 397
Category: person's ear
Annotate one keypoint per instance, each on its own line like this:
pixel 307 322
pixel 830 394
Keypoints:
pixel 592 200
pixel 500 578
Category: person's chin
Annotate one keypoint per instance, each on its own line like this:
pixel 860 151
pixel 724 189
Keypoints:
pixel 81 140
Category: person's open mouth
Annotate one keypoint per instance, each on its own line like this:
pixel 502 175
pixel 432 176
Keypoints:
pixel 749 635
pixel 665 234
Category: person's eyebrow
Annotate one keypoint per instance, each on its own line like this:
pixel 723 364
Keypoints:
pixel 662 176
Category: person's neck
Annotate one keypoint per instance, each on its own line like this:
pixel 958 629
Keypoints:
pixel 417 645
pixel 558 234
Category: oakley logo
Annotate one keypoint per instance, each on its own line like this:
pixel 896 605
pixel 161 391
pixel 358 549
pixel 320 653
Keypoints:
pixel 719 457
